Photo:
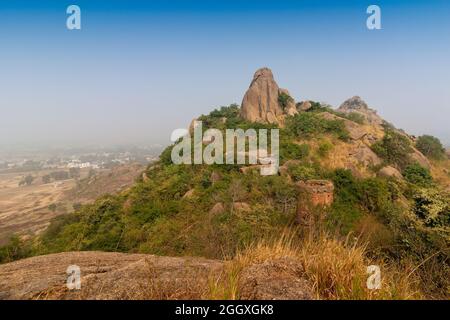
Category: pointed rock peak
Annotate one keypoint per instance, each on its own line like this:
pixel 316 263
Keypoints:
pixel 263 75
pixel 354 103
pixel 263 72
pixel 261 102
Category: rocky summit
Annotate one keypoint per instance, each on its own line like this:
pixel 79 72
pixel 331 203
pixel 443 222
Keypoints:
pixel 357 105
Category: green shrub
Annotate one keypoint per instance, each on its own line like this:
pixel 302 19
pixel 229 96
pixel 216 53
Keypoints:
pixel 290 150
pixel 284 99
pixel 431 147
pixel 324 148
pixel 15 249
pixel 374 194
pixel 394 148
pixel 355 117
pixel 432 206
pixel 231 111
pixel 166 156
pixel 308 124
pixel 303 172
pixel 416 174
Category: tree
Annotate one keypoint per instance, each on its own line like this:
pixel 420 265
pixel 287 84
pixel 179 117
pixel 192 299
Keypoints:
pixel 431 147
pixel 46 179
pixel 59 175
pixel 28 180
pixel 74 173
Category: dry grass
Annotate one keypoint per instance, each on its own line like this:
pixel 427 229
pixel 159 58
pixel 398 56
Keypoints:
pixel 334 268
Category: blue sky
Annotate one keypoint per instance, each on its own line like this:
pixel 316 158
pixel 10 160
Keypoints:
pixel 139 69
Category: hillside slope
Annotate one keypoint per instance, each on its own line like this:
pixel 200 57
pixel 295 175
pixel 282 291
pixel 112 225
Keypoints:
pixel 390 202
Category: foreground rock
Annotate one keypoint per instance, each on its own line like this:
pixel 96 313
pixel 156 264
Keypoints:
pixel 280 279
pixel 107 276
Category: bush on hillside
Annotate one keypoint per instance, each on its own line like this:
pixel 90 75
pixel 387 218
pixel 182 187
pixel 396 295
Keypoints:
pixel 432 206
pixel 394 148
pixel 307 124
pixel 284 99
pixel 431 147
pixel 416 174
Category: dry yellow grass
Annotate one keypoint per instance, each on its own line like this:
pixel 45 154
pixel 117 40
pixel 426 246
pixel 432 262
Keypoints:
pixel 334 268
pixel 440 170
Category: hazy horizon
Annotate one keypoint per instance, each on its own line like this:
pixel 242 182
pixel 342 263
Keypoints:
pixel 138 70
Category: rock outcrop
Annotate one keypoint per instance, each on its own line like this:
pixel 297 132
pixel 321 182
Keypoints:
pixel 121 276
pixel 241 206
pixel 388 172
pixel 218 208
pixel 189 194
pixel 305 106
pixel 261 103
pixel 357 105
pixel 107 275
pixel 417 156
pixel 290 108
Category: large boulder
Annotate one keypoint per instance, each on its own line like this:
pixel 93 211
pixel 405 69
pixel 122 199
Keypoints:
pixel 388 172
pixel 364 155
pixel 417 156
pixel 260 102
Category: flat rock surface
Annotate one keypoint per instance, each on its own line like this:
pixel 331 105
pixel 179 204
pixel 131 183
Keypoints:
pixel 106 275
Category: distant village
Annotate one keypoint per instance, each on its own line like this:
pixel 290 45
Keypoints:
pixel 78 160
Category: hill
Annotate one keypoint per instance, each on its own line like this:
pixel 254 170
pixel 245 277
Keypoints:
pixel 388 203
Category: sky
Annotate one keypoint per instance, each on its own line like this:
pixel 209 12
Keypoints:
pixel 137 70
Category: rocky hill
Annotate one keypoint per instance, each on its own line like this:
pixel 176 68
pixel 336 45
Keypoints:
pixel 352 191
